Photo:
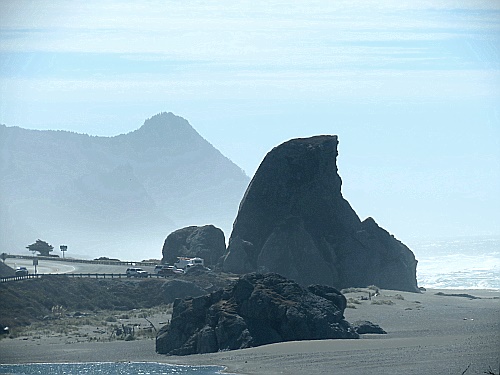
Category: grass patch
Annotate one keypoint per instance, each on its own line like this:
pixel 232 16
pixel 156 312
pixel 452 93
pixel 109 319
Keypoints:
pixel 351 290
pixel 382 302
pixel 100 326
pixel 354 300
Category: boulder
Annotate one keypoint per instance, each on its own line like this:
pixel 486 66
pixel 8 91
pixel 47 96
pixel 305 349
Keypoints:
pixel 293 220
pixel 174 289
pixel 207 242
pixel 257 309
pixel 364 326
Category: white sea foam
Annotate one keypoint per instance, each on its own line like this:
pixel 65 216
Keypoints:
pixel 459 263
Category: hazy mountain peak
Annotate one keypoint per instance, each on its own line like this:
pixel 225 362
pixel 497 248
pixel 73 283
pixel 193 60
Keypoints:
pixel 166 124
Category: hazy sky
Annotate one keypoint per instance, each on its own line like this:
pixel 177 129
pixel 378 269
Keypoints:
pixel 412 89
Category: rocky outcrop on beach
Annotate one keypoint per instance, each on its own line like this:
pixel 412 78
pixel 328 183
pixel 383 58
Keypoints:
pixel 364 326
pixel 173 289
pixel 258 309
pixel 293 220
pixel 207 242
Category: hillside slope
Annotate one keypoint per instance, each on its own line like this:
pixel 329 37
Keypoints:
pixel 118 196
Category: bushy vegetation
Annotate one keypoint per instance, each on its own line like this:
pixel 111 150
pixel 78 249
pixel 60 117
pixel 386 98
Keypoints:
pixel 100 326
pixel 30 300
pixel 382 302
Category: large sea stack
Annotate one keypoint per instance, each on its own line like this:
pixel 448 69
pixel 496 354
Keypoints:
pixel 294 221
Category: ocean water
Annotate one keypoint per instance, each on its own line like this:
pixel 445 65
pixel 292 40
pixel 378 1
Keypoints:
pixel 121 368
pixel 458 263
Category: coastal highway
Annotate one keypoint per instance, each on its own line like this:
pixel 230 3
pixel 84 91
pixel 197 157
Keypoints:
pixel 50 266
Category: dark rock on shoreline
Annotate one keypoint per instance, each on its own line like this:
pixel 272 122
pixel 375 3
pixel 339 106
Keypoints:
pixel 293 220
pixel 363 326
pixel 257 310
pixel 207 242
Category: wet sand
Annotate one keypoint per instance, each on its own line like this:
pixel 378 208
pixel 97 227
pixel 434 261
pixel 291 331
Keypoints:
pixel 426 334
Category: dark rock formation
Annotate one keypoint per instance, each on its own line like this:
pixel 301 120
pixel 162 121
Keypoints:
pixel 173 289
pixel 207 242
pixel 258 309
pixel 294 221
pixel 6 271
pixel 363 326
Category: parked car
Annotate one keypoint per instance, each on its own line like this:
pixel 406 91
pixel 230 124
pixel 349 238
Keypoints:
pixel 22 271
pixel 167 271
pixel 136 272
pixel 159 267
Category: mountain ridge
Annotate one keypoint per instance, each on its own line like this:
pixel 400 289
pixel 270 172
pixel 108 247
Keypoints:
pixel 155 179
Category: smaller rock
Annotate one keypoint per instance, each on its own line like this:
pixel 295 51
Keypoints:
pixel 364 326
pixel 207 242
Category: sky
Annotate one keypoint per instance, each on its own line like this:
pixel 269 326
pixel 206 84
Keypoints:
pixel 411 88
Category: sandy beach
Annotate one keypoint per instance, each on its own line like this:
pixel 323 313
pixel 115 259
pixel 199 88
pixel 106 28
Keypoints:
pixel 427 333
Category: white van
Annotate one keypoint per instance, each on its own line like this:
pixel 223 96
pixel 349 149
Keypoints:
pixel 184 263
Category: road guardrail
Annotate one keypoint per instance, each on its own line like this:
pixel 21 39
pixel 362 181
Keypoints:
pixel 88 261
pixel 81 275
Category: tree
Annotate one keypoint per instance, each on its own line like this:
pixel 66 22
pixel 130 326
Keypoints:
pixel 41 246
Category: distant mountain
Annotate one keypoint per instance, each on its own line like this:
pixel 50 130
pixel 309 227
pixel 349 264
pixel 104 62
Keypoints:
pixel 118 196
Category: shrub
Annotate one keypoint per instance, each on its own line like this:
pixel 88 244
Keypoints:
pixel 382 302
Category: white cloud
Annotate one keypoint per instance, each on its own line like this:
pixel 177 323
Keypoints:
pixel 248 49
pixel 229 29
